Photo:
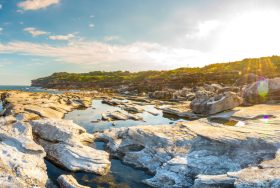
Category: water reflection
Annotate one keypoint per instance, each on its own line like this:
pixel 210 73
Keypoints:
pixel 90 118
pixel 120 176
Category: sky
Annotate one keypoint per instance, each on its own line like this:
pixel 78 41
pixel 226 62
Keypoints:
pixel 40 37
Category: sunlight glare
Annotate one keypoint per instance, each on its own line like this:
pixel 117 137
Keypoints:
pixel 251 34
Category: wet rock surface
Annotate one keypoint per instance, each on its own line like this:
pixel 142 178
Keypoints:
pixel 68 181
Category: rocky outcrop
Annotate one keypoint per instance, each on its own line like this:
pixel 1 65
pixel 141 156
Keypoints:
pixel 264 90
pixel 184 94
pixel 207 105
pixel 202 153
pixel 63 142
pixel 181 110
pixel 21 159
pixel 265 175
pixel 119 115
pixel 68 181
pixel 28 106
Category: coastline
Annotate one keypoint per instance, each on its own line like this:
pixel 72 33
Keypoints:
pixel 171 149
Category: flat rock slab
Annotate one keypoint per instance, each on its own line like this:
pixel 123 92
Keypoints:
pixel 63 142
pixel 68 181
pixel 176 154
pixel 41 105
pixel 21 159
pixel 180 110
pixel 78 157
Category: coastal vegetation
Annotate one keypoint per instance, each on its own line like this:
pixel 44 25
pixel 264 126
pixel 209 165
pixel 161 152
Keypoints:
pixel 226 73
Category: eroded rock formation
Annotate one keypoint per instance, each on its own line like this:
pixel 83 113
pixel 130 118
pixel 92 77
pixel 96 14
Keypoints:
pixel 203 153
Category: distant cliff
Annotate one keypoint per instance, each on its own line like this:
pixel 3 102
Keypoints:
pixel 223 73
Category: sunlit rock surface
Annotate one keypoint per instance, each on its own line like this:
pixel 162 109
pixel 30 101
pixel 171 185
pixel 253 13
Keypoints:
pixel 68 181
pixel 181 110
pixel 203 104
pixel 27 106
pixel 21 159
pixel 264 90
pixel 202 153
pixel 63 142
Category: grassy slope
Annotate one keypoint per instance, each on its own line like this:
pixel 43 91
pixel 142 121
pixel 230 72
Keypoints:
pixel 265 66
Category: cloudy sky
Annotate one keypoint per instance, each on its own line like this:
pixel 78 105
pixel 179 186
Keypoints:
pixel 39 37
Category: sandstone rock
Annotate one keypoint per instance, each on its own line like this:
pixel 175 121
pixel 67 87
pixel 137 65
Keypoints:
pixel 203 150
pixel 77 157
pixel 110 102
pixel 119 115
pixel 262 91
pixel 57 130
pixel 266 174
pixel 180 110
pixel 21 159
pixel 207 106
pixel 162 95
pixel 133 108
pixel 68 181
pixel 213 181
pixel 63 142
pixel 31 106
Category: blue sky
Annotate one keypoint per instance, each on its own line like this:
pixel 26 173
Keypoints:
pixel 39 37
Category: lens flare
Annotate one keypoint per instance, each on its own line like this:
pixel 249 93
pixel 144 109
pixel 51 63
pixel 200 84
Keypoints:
pixel 263 88
pixel 265 119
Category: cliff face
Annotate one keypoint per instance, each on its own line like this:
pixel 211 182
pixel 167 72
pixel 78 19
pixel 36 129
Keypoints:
pixel 146 84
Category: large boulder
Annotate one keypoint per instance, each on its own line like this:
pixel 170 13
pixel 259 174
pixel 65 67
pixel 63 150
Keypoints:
pixel 203 104
pixel 262 91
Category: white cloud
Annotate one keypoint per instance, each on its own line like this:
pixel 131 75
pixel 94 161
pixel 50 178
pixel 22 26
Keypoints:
pixel 36 4
pixel 35 32
pixel 62 37
pixel 1 6
pixel 88 53
pixel 204 29
pixel 1 29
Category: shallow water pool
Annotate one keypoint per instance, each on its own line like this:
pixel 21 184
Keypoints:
pixel 90 118
pixel 121 175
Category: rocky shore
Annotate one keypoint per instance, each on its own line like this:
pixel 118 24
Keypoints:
pixel 232 139
pixel 32 130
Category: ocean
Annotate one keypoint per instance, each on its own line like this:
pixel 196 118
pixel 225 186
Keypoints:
pixel 28 88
